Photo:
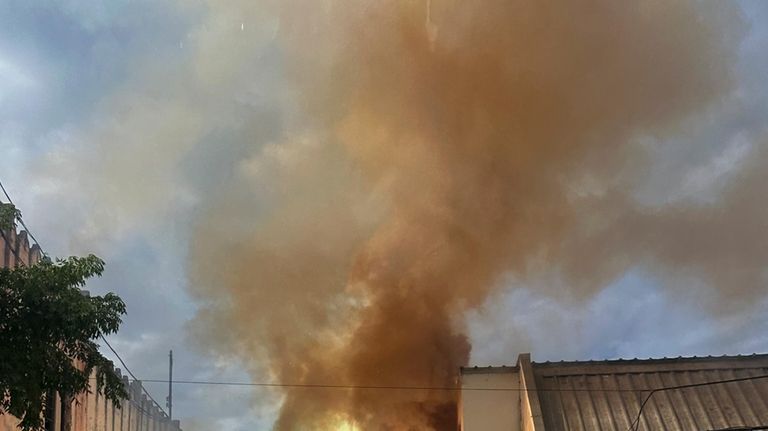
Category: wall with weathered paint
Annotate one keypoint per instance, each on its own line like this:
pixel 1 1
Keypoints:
pixel 497 409
pixel 93 412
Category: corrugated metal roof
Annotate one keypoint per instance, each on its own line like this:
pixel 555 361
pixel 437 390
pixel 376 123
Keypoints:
pixel 606 395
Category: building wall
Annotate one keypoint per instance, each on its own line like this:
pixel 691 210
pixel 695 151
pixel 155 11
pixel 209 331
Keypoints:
pixel 17 245
pixel 90 411
pixel 93 412
pixel 483 410
pixel 724 392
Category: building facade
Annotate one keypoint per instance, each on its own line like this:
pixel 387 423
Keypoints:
pixel 699 393
pixel 90 411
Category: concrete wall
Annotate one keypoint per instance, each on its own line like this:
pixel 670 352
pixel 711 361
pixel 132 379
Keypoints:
pixel 93 412
pixel 90 411
pixel 483 410
pixel 531 418
pixel 135 414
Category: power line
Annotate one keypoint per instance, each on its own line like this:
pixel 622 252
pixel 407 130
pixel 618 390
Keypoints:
pixel 12 248
pixel 636 423
pixel 746 428
pixel 5 193
pixel 440 388
pixel 5 239
pixel 21 221
pixel 136 405
pixel 128 370
pixel 375 387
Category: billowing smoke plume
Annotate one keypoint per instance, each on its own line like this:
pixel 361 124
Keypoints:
pixel 444 145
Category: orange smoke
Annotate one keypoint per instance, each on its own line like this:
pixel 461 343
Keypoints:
pixel 443 144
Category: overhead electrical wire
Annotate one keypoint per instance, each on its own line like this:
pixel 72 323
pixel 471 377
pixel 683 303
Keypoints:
pixel 5 238
pixel 443 388
pixel 21 221
pixel 636 423
pixel 13 249
pixel 130 373
pixel 746 428
pixel 377 387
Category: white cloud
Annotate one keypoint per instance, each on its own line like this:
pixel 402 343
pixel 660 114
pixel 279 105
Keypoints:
pixel 631 318
pixel 701 182
pixel 18 85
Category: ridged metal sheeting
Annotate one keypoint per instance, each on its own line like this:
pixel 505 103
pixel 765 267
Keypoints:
pixel 607 396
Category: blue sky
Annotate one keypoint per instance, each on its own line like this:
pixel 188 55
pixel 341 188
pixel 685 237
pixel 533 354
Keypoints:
pixel 83 152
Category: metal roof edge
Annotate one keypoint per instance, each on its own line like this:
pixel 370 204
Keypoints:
pixel 489 370
pixel 620 366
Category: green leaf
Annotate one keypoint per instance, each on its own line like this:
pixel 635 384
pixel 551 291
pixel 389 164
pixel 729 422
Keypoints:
pixel 8 216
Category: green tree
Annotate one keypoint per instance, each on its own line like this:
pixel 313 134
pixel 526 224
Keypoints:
pixel 8 216
pixel 47 332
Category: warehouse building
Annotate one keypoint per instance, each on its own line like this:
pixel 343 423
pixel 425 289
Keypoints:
pixel 683 394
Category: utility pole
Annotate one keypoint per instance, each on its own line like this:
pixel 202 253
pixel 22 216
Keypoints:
pixel 169 400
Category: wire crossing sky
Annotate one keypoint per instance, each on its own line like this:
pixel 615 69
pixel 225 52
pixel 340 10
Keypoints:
pixel 167 135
